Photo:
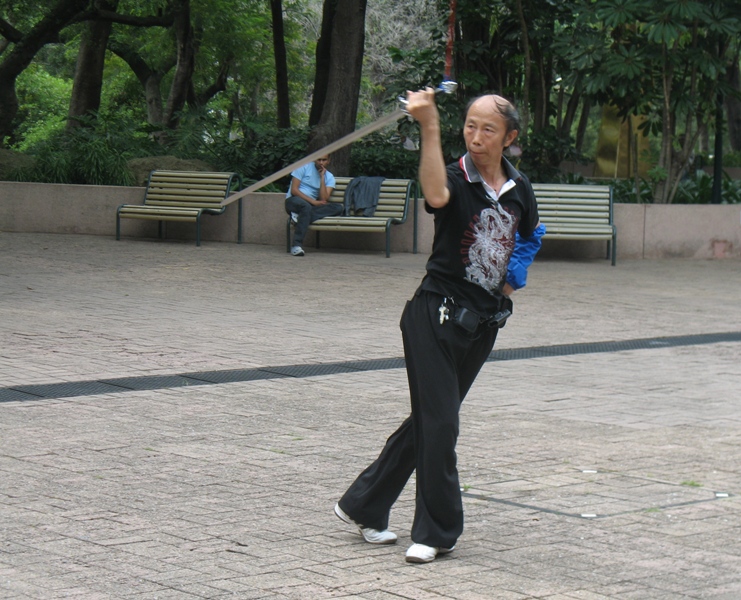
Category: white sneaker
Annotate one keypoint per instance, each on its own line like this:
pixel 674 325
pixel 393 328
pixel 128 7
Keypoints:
pixel 419 553
pixel 297 251
pixel 372 536
pixel 294 218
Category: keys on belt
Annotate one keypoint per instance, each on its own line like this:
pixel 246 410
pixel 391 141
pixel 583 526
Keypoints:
pixel 444 311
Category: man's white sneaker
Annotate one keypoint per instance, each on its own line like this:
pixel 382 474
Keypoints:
pixel 372 536
pixel 419 553
pixel 294 218
pixel 297 251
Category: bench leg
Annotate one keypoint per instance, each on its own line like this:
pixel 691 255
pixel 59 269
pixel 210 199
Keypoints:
pixel 198 230
pixel 613 247
pixel 414 241
pixel 118 226
pixel 239 222
pixel 317 239
pixel 288 234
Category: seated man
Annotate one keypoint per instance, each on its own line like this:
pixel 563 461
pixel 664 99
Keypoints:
pixel 307 199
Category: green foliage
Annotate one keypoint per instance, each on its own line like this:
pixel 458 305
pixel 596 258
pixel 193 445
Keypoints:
pixel 424 68
pixel 698 189
pixel 693 189
pixel 43 102
pixel 269 149
pixel 623 191
pixel 380 154
pixel 95 153
pixel 542 153
pixel 732 159
pixel 260 151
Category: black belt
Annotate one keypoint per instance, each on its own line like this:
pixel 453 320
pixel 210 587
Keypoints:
pixel 470 320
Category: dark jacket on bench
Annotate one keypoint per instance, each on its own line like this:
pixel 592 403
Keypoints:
pixel 362 195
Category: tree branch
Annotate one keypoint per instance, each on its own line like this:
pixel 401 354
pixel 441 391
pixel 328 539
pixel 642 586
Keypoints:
pixel 107 15
pixel 9 32
pixel 217 86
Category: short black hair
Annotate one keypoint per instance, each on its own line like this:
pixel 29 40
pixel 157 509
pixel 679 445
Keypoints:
pixel 507 109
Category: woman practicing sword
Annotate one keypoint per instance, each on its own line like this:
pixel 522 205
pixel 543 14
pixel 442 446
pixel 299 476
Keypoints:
pixel 487 233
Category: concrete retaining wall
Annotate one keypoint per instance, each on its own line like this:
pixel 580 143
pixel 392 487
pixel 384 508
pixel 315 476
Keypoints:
pixel 644 231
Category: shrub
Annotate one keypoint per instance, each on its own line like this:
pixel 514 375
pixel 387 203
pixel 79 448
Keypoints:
pixel 542 153
pixel 698 189
pixel 695 189
pixel 381 154
pixel 95 153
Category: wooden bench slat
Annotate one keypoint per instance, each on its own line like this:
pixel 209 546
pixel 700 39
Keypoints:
pixel 191 175
pixel 188 190
pixel 359 228
pixel 186 202
pixel 547 216
pixel 573 201
pixel 586 209
pixel 576 221
pixel 570 187
pixel 184 188
pixel 584 227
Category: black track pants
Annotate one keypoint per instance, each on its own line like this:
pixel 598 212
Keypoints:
pixel 442 362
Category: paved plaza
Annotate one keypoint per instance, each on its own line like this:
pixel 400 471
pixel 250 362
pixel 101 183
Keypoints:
pixel 178 422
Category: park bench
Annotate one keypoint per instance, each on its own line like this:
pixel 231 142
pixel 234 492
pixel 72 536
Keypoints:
pixel 394 198
pixel 577 212
pixel 184 196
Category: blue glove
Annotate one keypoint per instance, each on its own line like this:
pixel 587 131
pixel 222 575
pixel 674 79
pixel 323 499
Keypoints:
pixel 522 257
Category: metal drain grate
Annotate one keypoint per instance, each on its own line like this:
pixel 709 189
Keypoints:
pixel 12 395
pixel 309 370
pixel 599 495
pixel 379 364
pixel 618 346
pixel 155 382
pixel 68 389
pixel 232 375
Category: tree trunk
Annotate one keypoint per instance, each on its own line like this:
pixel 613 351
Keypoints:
pixel 185 64
pixel 20 56
pixel 323 56
pixel 733 108
pixel 219 85
pixel 542 85
pixel 343 87
pixel 581 129
pixel 281 65
pixel 571 107
pixel 88 80
pixel 525 104
pixel 716 194
pixel 474 30
pixel 149 79
pixel 663 187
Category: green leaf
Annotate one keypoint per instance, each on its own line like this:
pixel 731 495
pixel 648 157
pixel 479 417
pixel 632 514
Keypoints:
pixel 686 10
pixel 664 33
pixel 618 12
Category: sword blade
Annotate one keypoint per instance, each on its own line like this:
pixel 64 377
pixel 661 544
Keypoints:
pixel 328 149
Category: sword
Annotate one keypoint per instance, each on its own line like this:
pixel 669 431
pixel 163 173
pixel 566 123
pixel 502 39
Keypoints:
pixel 446 87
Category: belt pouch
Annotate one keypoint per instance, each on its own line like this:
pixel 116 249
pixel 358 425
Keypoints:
pixel 466 319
